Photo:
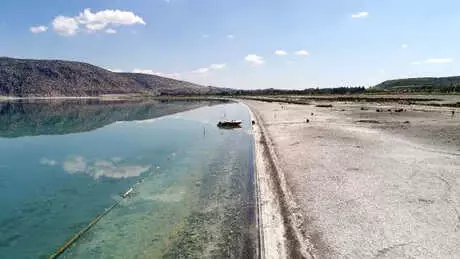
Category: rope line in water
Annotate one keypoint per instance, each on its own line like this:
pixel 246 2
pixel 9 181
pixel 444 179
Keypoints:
pixel 77 236
pixel 63 248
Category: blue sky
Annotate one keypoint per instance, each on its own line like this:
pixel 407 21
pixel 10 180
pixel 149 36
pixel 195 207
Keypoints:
pixel 243 43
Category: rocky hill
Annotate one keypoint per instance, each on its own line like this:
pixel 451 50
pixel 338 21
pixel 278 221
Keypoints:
pixel 28 78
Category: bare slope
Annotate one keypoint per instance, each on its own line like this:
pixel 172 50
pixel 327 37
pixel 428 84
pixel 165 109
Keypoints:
pixel 27 77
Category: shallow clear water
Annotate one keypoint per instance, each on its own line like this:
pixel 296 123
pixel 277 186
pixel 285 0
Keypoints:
pixel 193 189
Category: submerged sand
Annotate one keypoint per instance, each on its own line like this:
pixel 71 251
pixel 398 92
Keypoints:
pixel 357 183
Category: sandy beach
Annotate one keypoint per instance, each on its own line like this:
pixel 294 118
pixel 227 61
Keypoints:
pixel 354 182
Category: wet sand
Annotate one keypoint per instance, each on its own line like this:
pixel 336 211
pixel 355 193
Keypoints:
pixel 357 183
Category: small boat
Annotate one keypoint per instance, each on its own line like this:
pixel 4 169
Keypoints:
pixel 229 124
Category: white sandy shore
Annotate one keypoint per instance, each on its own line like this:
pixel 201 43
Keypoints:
pixel 278 239
pixel 351 190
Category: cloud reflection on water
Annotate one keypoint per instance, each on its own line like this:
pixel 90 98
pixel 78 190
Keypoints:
pixel 49 162
pixel 102 168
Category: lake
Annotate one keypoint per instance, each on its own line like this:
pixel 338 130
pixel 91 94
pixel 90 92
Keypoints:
pixel 62 163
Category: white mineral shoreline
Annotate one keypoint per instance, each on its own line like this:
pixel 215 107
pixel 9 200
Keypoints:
pixel 339 188
pixel 278 239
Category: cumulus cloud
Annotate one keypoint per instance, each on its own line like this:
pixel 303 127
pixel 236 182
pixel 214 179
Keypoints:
pixel 38 29
pixel 404 46
pixel 433 61
pixel 280 52
pixel 302 53
pixel 65 26
pixel 99 20
pixel 254 59
pixel 360 15
pixel 69 26
pixel 110 31
pixel 218 66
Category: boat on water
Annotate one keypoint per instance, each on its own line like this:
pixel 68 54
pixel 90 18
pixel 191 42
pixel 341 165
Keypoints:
pixel 229 124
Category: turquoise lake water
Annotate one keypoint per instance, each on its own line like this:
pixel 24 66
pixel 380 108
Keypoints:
pixel 63 163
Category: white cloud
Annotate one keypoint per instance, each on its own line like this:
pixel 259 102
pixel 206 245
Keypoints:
pixel 205 70
pixel 433 61
pixel 169 75
pixel 302 53
pixel 404 46
pixel 151 72
pixel 280 52
pixel 38 29
pixel 143 71
pixel 99 20
pixel 204 36
pixel 360 15
pixel 115 70
pixel 65 26
pixel 201 70
pixel 69 26
pixel 230 36
pixel 110 31
pixel 254 59
pixel 439 60
pixel 218 66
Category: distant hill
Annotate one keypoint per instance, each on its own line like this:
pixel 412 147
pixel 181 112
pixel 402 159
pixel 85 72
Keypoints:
pixel 421 84
pixel 27 78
